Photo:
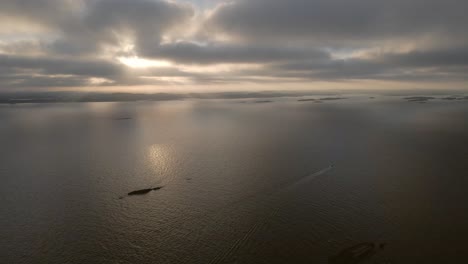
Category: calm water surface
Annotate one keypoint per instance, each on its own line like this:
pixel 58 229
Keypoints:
pixel 244 182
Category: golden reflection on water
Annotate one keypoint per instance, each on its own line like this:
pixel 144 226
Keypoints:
pixel 159 158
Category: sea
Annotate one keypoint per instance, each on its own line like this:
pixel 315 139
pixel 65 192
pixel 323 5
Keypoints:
pixel 349 179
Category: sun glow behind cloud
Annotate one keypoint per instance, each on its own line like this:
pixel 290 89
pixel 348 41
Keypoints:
pixel 136 62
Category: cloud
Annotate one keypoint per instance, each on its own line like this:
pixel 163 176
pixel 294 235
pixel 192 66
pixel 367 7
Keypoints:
pixel 79 40
pixel 75 43
pixel 455 56
pixel 213 53
pixel 53 66
pixel 28 71
pixel 338 22
pixel 86 27
pixel 47 13
pixel 116 23
pixel 442 65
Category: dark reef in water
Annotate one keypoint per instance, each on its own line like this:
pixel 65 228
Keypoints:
pixel 263 101
pixel 419 99
pixel 455 97
pixel 320 100
pixel 451 98
pixel 332 98
pixel 142 191
pixel 310 100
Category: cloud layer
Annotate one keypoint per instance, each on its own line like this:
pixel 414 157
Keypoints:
pixel 91 43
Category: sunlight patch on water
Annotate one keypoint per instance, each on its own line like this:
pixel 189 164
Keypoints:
pixel 160 159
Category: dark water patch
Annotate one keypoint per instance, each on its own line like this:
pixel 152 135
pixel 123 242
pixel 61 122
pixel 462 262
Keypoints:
pixel 262 101
pixel 357 253
pixel 262 222
pixel 122 118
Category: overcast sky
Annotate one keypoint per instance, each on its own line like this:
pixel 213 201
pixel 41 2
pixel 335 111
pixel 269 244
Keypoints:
pixel 232 44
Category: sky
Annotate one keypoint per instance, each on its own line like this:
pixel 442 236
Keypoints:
pixel 195 45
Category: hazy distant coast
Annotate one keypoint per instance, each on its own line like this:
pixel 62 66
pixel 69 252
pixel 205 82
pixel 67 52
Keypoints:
pixel 261 96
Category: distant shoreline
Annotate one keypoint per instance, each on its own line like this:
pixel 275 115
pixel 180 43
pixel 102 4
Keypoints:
pixel 78 97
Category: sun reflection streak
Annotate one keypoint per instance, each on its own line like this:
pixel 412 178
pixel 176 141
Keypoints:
pixel 159 159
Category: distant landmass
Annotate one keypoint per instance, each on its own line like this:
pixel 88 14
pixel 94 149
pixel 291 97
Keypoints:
pixel 54 97
pixel 263 96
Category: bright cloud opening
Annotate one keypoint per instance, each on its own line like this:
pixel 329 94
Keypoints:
pixel 136 62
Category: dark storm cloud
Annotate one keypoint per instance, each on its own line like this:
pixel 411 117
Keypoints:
pixel 338 21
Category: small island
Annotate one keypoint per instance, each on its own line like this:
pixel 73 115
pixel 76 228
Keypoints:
pixel 142 191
